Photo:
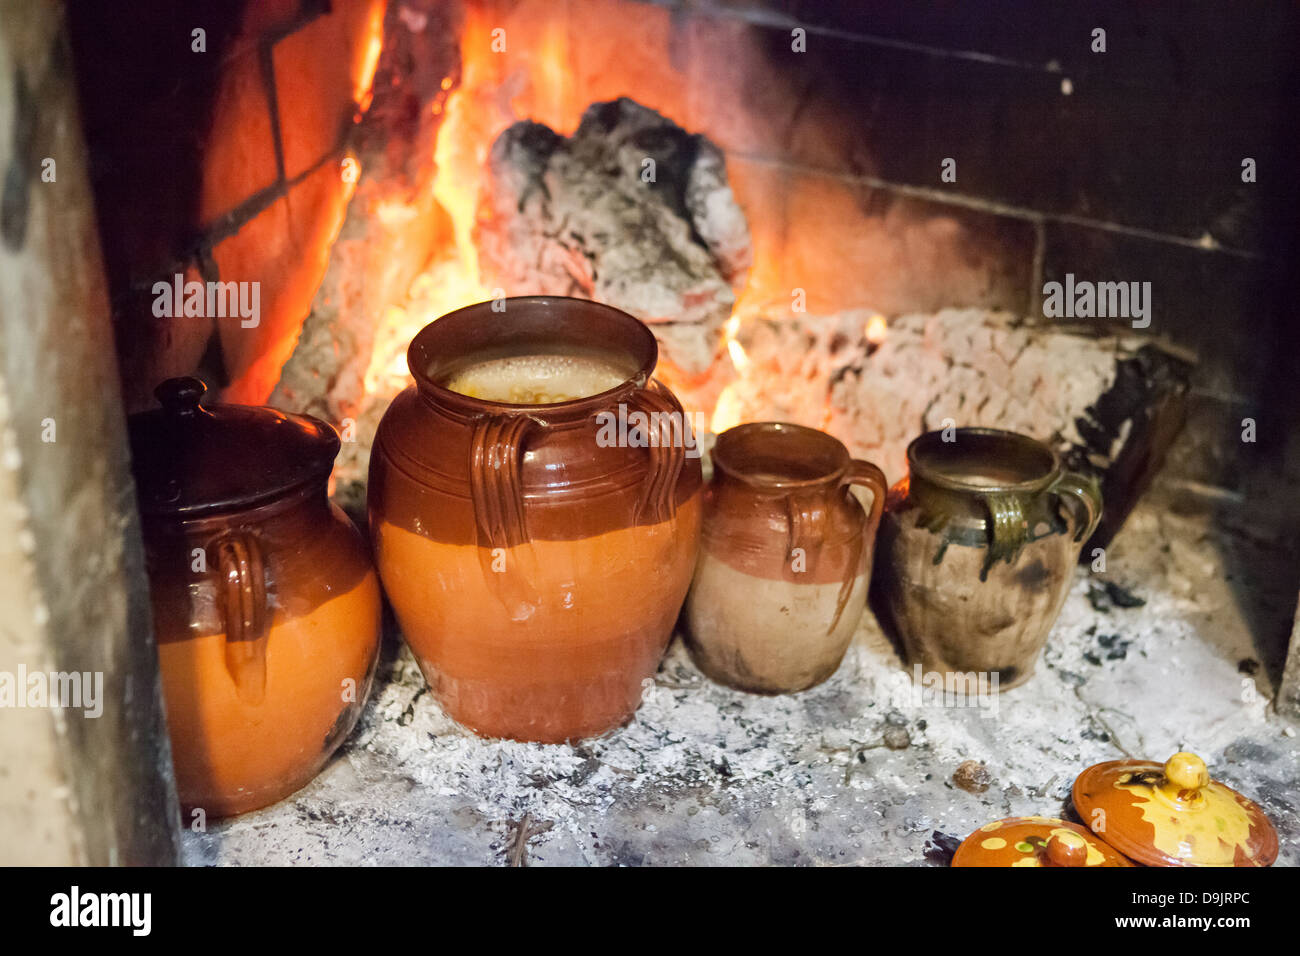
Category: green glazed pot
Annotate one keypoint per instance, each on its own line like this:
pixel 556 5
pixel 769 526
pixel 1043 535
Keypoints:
pixel 977 550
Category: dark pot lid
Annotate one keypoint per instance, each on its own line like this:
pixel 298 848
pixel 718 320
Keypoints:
pixel 189 460
pixel 1035 841
pixel 1173 814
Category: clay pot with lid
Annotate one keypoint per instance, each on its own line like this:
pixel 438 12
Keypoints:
pixel 536 555
pixel 1173 814
pixel 265 604
pixel 977 552
pixel 785 559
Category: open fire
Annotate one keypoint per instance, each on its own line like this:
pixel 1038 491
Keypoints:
pixel 863 269
pixel 750 328
pixel 521 72
pixel 491 92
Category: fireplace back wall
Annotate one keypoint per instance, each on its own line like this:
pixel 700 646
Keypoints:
pixel 232 163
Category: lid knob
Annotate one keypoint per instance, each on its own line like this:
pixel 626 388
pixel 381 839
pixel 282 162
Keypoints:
pixel 180 396
pixel 1186 771
pixel 1067 849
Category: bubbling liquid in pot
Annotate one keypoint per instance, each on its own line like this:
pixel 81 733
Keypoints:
pixel 536 379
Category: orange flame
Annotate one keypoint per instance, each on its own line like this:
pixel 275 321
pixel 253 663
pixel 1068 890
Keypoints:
pixel 727 413
pixel 739 360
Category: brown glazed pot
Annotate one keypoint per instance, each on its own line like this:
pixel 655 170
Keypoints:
pixel 536 563
pixel 977 553
pixel 785 558
pixel 265 604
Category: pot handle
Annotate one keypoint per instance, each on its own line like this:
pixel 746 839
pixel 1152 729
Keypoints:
pixel 242 596
pixel 1008 530
pixel 668 434
pixel 1083 490
pixel 868 475
pixel 496 455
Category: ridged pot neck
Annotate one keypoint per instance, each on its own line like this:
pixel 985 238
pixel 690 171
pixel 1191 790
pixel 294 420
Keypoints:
pixel 960 468
pixel 779 458
pixel 530 325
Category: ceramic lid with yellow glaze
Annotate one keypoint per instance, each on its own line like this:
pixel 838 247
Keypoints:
pixel 1173 814
pixel 1035 841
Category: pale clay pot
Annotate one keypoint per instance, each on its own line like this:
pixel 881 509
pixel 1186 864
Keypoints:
pixel 785 559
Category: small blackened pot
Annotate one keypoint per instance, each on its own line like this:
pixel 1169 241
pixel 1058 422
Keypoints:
pixel 977 550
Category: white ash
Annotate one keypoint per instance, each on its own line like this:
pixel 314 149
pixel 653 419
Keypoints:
pixel 966 367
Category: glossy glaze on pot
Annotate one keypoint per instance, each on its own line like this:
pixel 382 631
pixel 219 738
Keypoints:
pixel 785 558
pixel 1173 814
pixel 267 613
pixel 536 567
pixel 1036 842
pixel 977 551
pixel 254 718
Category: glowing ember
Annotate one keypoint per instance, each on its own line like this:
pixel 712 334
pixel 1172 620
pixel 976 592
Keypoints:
pixel 877 329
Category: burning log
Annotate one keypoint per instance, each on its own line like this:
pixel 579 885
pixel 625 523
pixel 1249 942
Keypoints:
pixel 1127 432
pixel 393 227
pixel 631 210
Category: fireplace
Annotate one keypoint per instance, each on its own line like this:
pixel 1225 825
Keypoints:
pixel 872 222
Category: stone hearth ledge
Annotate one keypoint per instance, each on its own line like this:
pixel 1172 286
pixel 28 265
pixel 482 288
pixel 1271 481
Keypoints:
pixel 708 775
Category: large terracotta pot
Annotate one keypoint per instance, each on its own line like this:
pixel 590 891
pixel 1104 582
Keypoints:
pixel 265 604
pixel 536 558
pixel 782 576
pixel 977 552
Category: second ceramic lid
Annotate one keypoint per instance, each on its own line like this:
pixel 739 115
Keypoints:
pixel 1035 841
pixel 1173 814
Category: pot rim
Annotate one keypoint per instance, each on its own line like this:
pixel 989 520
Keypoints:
pixel 761 430
pixel 463 321
pixel 1050 468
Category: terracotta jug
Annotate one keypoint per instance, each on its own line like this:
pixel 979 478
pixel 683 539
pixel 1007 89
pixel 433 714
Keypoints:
pixel 536 555
pixel 265 603
pixel 977 551
pixel 785 559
